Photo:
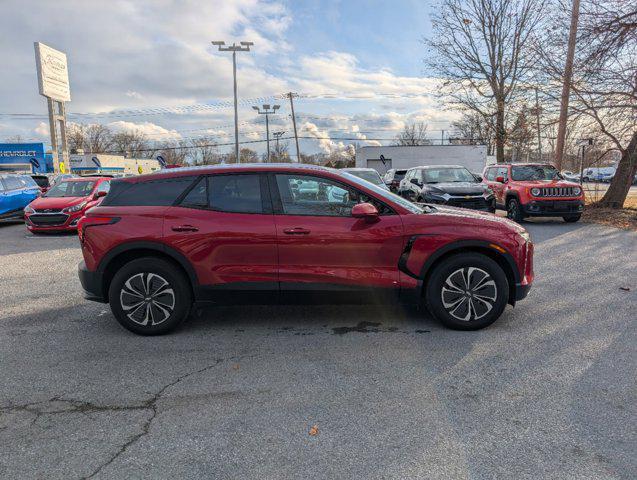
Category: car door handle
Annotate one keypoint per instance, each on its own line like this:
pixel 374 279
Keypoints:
pixel 296 231
pixel 184 228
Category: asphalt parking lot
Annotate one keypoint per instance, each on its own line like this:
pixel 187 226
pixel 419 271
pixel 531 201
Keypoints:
pixel 338 392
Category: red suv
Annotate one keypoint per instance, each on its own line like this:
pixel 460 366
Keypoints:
pixel 534 190
pixel 62 206
pixel 258 233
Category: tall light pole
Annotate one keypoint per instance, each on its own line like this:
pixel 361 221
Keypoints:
pixel 277 135
pixel 291 96
pixel 234 48
pixel 267 111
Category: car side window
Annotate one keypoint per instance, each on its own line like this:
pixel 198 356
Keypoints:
pixel 490 174
pixel 316 196
pixel 503 172
pixel 197 197
pixel 104 186
pixel 235 193
pixel 2 189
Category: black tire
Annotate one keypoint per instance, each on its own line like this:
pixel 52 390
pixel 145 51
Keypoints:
pixel 478 310
pixel 170 302
pixel 514 210
pixel 572 219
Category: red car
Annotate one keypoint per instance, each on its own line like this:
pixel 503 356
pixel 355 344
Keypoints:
pixel 62 206
pixel 534 190
pixel 263 233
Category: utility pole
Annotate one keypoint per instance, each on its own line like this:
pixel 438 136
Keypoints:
pixel 442 138
pixel 277 135
pixel 537 125
pixel 291 95
pixel 566 85
pixel 234 48
pixel 267 112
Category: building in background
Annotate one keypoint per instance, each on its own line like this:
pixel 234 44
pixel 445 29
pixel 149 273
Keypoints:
pixel 112 164
pixel 25 158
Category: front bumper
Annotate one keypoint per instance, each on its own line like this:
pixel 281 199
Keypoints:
pixel 91 283
pixel 58 222
pixel 553 208
pixel 521 291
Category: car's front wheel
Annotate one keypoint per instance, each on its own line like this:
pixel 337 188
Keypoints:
pixel 572 219
pixel 150 296
pixel 514 210
pixel 467 291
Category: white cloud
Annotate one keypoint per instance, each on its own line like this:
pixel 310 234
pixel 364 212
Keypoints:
pixel 42 129
pixel 151 130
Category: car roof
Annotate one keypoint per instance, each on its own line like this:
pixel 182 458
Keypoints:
pixel 229 168
pixel 84 179
pixel 428 167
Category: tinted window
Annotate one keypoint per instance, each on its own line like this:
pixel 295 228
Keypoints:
pixel 399 174
pixel 308 195
pixel 12 183
pixel 235 193
pixel 41 181
pixel 153 193
pixel 198 196
pixel 534 172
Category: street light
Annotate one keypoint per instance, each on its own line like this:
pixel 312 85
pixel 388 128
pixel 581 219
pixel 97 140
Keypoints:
pixel 234 48
pixel 267 111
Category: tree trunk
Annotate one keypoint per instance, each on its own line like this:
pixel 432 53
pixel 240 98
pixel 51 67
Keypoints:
pixel 619 186
pixel 500 132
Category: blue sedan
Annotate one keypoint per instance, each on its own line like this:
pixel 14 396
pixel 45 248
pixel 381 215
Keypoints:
pixel 16 192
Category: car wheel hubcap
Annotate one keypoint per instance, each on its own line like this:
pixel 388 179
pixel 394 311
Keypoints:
pixel 147 299
pixel 469 293
pixel 513 209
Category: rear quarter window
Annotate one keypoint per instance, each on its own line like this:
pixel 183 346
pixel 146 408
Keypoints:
pixel 151 193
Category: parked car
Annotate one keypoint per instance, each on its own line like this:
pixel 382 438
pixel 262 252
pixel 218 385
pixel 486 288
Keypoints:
pixel 571 176
pixel 64 204
pixel 451 185
pixel 368 174
pixel 393 177
pixel 42 181
pixel 534 190
pixel 16 191
pixel 243 234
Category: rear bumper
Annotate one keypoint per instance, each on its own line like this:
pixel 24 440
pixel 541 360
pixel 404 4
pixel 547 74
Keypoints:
pixel 91 283
pixel 553 208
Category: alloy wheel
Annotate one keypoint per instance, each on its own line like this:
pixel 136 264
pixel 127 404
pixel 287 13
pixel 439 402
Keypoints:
pixel 469 293
pixel 147 299
pixel 512 211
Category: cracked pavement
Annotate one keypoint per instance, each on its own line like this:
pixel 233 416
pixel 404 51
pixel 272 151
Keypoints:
pixel 547 392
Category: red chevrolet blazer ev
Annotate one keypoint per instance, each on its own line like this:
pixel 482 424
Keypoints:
pixel 292 233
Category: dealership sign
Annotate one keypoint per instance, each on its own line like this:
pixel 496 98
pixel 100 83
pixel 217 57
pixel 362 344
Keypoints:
pixel 22 157
pixel 53 75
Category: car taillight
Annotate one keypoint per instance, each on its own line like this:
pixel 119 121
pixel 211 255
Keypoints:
pixel 86 222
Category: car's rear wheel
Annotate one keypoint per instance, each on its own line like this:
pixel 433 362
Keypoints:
pixel 514 210
pixel 572 219
pixel 467 291
pixel 150 296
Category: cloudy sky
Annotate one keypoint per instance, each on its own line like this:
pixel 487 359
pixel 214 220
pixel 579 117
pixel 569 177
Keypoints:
pixel 149 65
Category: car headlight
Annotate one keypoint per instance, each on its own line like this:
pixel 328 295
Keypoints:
pixel 535 192
pixel 525 235
pixel 28 209
pixel 577 191
pixel 75 208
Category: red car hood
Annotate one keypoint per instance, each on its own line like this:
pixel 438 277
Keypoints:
pixel 56 202
pixel 546 183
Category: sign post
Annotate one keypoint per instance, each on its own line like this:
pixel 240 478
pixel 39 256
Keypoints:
pixel 53 83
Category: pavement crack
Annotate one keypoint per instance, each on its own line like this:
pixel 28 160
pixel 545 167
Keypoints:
pixel 150 404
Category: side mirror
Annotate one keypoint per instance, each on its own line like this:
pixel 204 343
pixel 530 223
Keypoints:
pixel 415 181
pixel 100 194
pixel 365 210
pixel 499 179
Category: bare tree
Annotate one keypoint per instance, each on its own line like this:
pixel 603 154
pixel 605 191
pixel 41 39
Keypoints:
pixel 604 84
pixel 131 143
pixel 15 139
pixel 414 134
pixel 92 138
pixel 473 129
pixel 203 151
pixel 280 152
pixel 173 152
pixel 482 50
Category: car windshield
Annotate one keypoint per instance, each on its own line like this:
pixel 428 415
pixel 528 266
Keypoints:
pixel 369 175
pixel 382 193
pixel 399 174
pixel 534 172
pixel 443 175
pixel 70 188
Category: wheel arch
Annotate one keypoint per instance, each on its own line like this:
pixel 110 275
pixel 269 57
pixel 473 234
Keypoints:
pixel 504 260
pixel 123 254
